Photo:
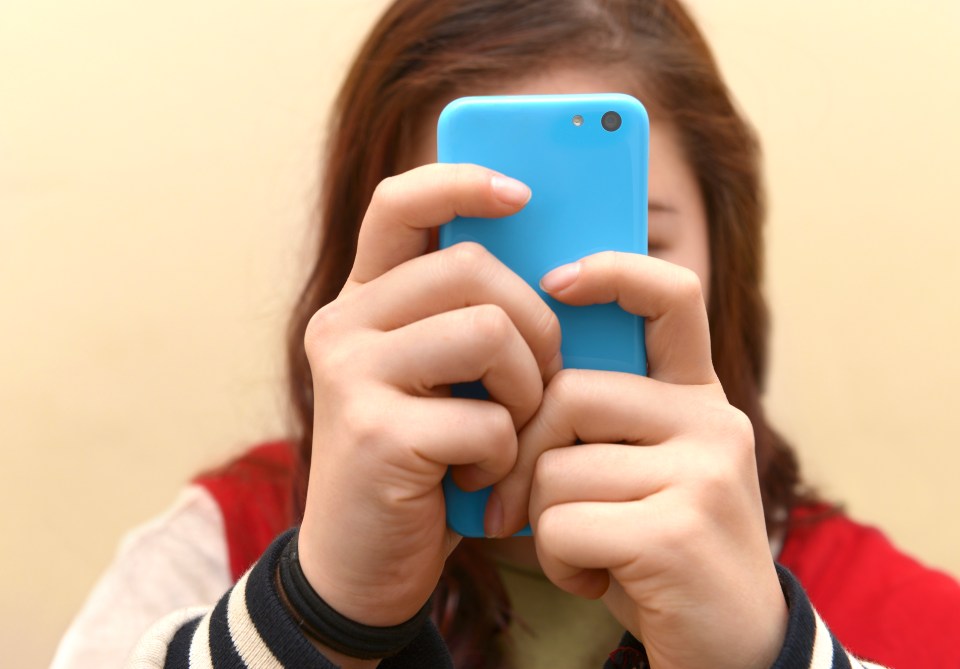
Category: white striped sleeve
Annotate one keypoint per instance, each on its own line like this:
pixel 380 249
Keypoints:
pixel 822 644
pixel 809 644
pixel 200 645
pixel 249 645
pixel 176 561
pixel 151 651
pixel 250 627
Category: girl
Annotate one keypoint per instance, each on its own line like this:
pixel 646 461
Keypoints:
pixel 656 539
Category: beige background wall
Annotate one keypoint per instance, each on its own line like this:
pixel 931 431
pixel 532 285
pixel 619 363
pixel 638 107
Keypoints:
pixel 157 167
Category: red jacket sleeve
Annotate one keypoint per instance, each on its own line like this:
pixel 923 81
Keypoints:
pixel 881 604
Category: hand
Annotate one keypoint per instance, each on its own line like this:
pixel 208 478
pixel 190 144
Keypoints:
pixel 383 354
pixel 658 510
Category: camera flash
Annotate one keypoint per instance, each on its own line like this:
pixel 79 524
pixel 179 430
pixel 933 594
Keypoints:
pixel 578 120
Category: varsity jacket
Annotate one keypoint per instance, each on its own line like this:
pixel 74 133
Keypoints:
pixel 250 627
pixel 850 592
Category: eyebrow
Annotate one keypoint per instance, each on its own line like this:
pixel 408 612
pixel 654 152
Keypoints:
pixel 658 206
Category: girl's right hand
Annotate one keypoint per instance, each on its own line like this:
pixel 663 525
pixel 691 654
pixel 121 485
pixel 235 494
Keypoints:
pixel 383 354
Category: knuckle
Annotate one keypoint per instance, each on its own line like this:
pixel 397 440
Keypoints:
pixel 490 322
pixel 548 326
pixel 386 193
pixel 549 529
pixel 743 443
pixel 733 428
pixel 367 429
pixel 468 264
pixel 469 257
pixel 607 258
pixel 332 365
pixel 323 323
pixel 547 467
pixel 564 387
pixel 334 357
pixel 321 331
pixel 682 532
pixel 464 176
pixel 559 407
pixel 739 426
pixel 686 285
pixel 725 468
pixel 714 480
pixel 501 428
pixel 600 266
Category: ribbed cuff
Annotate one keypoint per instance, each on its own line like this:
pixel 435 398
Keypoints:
pixel 798 644
pixel 281 634
pixel 797 649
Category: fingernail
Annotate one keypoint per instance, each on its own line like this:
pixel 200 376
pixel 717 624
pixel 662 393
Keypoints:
pixel 493 517
pixel 557 279
pixel 510 191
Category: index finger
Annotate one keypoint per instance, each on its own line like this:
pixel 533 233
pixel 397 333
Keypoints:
pixel 404 208
pixel 667 295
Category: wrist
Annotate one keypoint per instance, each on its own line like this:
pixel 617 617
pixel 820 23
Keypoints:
pixel 771 627
pixel 330 631
pixel 361 584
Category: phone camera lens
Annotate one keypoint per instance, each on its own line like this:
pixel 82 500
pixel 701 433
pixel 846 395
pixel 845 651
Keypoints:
pixel 611 121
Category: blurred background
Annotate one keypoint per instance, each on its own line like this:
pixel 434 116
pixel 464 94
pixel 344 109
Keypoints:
pixel 158 164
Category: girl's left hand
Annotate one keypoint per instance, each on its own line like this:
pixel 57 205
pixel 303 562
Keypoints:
pixel 659 509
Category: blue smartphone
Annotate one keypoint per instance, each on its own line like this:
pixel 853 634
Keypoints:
pixel 585 159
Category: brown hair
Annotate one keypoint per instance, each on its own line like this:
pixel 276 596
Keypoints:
pixel 424 51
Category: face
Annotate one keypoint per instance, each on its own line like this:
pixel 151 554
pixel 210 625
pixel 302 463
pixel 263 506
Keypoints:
pixel 677 219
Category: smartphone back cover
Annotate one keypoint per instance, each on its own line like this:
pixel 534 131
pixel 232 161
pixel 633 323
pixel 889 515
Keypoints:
pixel 589 190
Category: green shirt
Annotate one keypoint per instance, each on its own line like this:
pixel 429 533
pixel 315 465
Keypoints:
pixel 553 629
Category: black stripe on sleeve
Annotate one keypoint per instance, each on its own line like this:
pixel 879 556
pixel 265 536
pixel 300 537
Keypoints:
pixel 282 635
pixel 840 659
pixel 797 651
pixel 178 650
pixel 223 654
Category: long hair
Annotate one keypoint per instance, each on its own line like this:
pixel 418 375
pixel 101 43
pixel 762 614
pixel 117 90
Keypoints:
pixel 422 52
